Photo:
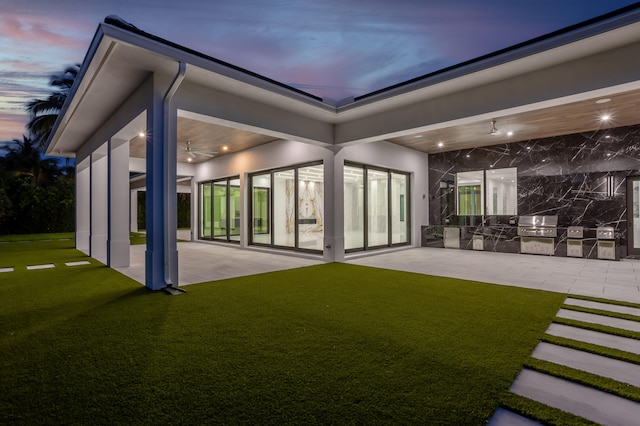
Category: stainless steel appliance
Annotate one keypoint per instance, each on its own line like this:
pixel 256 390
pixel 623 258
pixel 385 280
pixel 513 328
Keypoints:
pixel 606 242
pixel 452 237
pixel 537 234
pixel 574 241
pixel 538 226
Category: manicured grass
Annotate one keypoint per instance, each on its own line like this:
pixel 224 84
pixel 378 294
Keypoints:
pixel 333 343
pixel 37 237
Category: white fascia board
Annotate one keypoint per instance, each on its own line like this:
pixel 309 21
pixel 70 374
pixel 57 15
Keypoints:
pixel 218 75
pixel 97 49
pixel 583 42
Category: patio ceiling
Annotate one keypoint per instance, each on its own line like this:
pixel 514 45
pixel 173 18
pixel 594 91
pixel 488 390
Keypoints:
pixel 575 117
pixel 206 141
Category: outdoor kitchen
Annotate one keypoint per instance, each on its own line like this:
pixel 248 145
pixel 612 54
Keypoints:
pixel 555 197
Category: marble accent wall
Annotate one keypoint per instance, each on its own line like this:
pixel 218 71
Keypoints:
pixel 564 175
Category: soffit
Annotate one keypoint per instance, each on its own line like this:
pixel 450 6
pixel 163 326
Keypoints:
pixel 568 118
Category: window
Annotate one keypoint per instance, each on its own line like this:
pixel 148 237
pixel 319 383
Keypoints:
pixel 220 209
pixel 500 186
pixel 287 208
pixel 376 207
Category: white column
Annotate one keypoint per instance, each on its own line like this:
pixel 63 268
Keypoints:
pixel 333 229
pixel 99 207
pixel 161 256
pixel 83 206
pixel 133 213
pixel 118 237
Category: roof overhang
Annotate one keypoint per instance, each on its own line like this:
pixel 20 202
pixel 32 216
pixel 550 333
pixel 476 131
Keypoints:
pixel 120 60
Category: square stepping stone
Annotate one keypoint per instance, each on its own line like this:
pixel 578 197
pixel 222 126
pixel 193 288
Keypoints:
pixel 45 266
pixel 6 269
pixel 82 262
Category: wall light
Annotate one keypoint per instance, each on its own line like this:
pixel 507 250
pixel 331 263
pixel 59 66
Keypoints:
pixel 611 186
pixel 494 129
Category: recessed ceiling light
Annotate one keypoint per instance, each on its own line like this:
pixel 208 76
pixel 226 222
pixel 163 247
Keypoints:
pixel 605 117
pixel 509 133
pixel 225 148
pixel 440 144
pixel 603 100
pixel 141 134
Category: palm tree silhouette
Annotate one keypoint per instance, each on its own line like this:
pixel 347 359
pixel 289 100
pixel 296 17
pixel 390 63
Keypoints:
pixel 44 112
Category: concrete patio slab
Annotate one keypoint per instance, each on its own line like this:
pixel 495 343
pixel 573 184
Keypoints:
pixel 603 306
pixel 591 363
pixel 583 401
pixel 595 338
pixel 503 417
pixel 599 319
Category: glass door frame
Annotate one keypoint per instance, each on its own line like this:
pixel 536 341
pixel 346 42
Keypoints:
pixel 271 173
pixel 227 238
pixel 631 242
pixel 408 217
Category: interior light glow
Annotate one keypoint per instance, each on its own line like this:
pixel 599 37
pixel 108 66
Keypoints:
pixel 225 148
pixel 605 117
pixel 603 100
pixel 142 134
pixel 440 144
pixel 509 133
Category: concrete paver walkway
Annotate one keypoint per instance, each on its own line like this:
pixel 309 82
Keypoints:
pixel 621 371
pixel 582 400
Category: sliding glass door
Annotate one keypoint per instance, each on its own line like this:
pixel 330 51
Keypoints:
pixel 376 214
pixel 220 210
pixel 287 208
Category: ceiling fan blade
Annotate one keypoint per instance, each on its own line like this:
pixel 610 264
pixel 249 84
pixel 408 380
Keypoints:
pixel 191 153
pixel 205 154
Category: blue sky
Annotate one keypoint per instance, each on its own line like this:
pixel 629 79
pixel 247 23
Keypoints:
pixel 331 48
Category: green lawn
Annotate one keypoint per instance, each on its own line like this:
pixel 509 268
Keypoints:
pixel 328 344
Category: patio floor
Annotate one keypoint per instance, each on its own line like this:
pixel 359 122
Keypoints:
pixel 615 280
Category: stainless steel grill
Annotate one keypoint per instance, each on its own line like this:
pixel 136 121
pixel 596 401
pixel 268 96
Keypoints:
pixel 575 232
pixel 538 226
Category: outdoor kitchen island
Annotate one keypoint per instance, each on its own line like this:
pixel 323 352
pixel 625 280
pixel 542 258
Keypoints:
pixel 591 243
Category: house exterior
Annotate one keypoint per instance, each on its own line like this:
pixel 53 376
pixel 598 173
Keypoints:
pixel 550 126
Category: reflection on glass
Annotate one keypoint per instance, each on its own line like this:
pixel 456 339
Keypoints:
pixel 353 208
pixel 234 209
pixel 220 224
pixel 503 186
pixel 284 208
pixel 311 207
pixel 205 202
pixel 377 208
pixel 399 207
pixel 260 194
pixel 469 189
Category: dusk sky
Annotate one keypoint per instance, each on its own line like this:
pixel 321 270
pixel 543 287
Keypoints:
pixel 330 48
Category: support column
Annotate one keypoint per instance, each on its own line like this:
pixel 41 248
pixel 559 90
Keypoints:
pixel 161 257
pixel 99 207
pixel 83 206
pixel 118 242
pixel 337 226
pixel 133 213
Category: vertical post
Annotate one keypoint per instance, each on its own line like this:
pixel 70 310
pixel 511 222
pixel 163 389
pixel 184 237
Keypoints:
pixel 83 206
pixel 99 207
pixel 161 257
pixel 118 183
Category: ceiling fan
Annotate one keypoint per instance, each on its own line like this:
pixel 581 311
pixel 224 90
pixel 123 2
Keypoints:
pixel 194 153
